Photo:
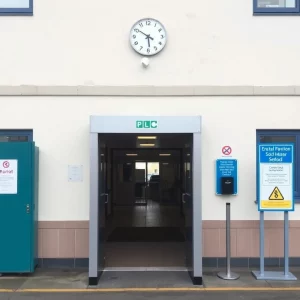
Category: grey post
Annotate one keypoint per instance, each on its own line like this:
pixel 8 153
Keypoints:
pixel 274 275
pixel 286 243
pixel 262 243
pixel 228 275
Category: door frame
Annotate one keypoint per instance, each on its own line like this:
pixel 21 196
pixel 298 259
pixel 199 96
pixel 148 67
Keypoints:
pixel 127 124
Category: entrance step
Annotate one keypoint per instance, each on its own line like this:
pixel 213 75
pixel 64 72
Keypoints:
pixel 140 279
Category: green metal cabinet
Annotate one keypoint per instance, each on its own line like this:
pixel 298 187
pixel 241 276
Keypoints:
pixel 18 207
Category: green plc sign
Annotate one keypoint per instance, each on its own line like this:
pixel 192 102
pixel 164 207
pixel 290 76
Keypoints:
pixel 146 124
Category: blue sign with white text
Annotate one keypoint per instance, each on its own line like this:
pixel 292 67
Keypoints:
pixel 275 153
pixel 226 168
pixel 275 177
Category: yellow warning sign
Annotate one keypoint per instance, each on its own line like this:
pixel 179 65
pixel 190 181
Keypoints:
pixel 276 194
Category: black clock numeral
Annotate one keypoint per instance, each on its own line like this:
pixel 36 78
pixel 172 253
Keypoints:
pixel 141 24
pixel 136 42
pixel 134 36
pixel 148 23
pixel 155 25
pixel 136 30
pixel 148 50
pixel 160 43
pixel 141 48
pixel 162 36
pixel 159 30
pixel 155 48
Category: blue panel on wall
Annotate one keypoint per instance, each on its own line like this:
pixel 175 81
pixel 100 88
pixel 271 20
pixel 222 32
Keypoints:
pixel 226 168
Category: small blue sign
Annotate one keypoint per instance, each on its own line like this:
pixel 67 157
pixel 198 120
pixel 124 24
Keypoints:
pixel 226 168
pixel 269 153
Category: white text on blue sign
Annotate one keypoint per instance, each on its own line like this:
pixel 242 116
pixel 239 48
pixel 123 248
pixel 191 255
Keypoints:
pixel 227 167
pixel 275 154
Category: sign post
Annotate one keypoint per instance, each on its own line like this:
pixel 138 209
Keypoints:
pixel 228 275
pixel 226 184
pixel 275 181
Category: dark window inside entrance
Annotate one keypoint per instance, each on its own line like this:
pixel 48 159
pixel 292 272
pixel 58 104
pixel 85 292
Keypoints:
pixel 127 172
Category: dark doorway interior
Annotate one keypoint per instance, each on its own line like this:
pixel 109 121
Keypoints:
pixel 145 223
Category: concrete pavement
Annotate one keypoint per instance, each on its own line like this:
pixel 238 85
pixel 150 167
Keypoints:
pixel 221 295
pixel 56 281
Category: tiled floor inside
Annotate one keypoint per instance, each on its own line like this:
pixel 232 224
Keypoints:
pixel 151 215
pixel 145 254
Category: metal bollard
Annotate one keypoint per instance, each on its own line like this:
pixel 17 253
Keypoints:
pixel 228 275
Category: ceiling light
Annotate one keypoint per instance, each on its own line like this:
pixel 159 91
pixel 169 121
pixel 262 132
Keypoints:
pixel 164 154
pixel 165 163
pixel 147 145
pixel 131 154
pixel 146 137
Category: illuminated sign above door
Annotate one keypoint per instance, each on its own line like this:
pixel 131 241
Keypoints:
pixel 146 124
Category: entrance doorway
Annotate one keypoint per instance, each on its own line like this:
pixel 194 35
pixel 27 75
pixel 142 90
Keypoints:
pixel 145 195
pixel 145 223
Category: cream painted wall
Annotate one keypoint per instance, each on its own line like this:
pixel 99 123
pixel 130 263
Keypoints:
pixel 61 130
pixel 75 42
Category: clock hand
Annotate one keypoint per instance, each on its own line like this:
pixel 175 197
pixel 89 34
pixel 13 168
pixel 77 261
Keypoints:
pixel 147 35
pixel 144 33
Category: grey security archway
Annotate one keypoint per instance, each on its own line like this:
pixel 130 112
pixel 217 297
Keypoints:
pixel 144 125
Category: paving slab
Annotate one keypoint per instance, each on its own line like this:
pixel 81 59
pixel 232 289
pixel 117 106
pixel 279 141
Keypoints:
pixel 53 296
pixel 284 284
pixel 211 280
pixel 5 296
pixel 12 282
pixel 46 273
pixel 156 295
pixel 78 279
pixel 56 280
pixel 151 279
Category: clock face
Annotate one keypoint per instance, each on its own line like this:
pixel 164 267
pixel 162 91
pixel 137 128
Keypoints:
pixel 148 36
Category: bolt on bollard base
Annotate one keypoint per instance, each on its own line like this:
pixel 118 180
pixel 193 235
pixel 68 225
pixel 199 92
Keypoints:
pixel 228 275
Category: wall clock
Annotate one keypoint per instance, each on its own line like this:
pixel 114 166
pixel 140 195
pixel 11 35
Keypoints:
pixel 148 36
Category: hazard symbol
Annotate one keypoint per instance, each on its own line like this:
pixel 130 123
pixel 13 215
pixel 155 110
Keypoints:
pixel 276 195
